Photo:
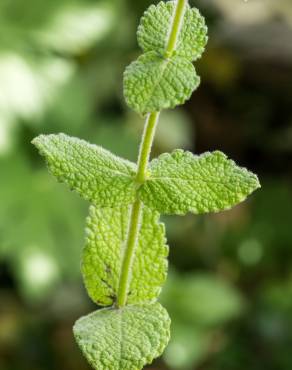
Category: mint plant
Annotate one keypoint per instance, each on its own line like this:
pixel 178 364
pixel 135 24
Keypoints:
pixel 124 261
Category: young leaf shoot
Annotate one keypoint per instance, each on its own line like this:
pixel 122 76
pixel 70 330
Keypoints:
pixel 124 261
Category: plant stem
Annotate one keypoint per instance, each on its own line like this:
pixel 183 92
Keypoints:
pixel 143 160
pixel 129 253
pixel 176 27
pixel 136 210
pixel 146 145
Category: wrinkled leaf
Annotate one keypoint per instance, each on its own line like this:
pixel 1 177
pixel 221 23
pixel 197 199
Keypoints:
pixel 123 339
pixel 153 83
pixel 93 172
pixel 181 182
pixel 103 254
pixel 154 30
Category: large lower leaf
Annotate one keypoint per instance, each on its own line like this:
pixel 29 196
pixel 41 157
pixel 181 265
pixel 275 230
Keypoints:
pixel 123 339
pixel 182 182
pixel 95 173
pixel 153 83
pixel 103 254
pixel 154 30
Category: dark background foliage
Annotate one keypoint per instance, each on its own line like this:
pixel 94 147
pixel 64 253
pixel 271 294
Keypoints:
pixel 229 290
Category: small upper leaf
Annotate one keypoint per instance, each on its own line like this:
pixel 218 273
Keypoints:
pixel 123 339
pixel 95 173
pixel 154 29
pixel 182 182
pixel 153 83
pixel 106 234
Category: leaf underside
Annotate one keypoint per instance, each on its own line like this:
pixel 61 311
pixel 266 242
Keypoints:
pixel 93 172
pixel 106 234
pixel 123 339
pixel 154 29
pixel 153 83
pixel 181 182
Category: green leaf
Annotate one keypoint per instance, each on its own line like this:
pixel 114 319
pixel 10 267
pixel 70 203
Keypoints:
pixel 93 172
pixel 103 254
pixel 154 29
pixel 153 83
pixel 123 339
pixel 182 182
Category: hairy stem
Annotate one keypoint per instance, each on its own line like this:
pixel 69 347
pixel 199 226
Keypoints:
pixel 146 145
pixel 143 160
pixel 136 210
pixel 176 27
pixel 129 253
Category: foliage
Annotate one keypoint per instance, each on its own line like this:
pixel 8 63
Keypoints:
pixel 124 339
pixel 101 267
pixel 181 182
pixel 159 79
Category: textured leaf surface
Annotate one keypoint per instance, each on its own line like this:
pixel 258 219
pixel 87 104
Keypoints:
pixel 154 29
pixel 123 339
pixel 153 83
pixel 103 254
pixel 95 173
pixel 182 182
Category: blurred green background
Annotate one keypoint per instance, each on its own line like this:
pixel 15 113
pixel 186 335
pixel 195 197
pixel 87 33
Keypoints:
pixel 229 290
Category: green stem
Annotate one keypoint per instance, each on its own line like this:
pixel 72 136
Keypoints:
pixel 176 27
pixel 143 160
pixel 129 254
pixel 136 210
pixel 146 145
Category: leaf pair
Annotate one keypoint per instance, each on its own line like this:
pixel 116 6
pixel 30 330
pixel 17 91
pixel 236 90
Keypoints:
pixel 159 81
pixel 178 183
